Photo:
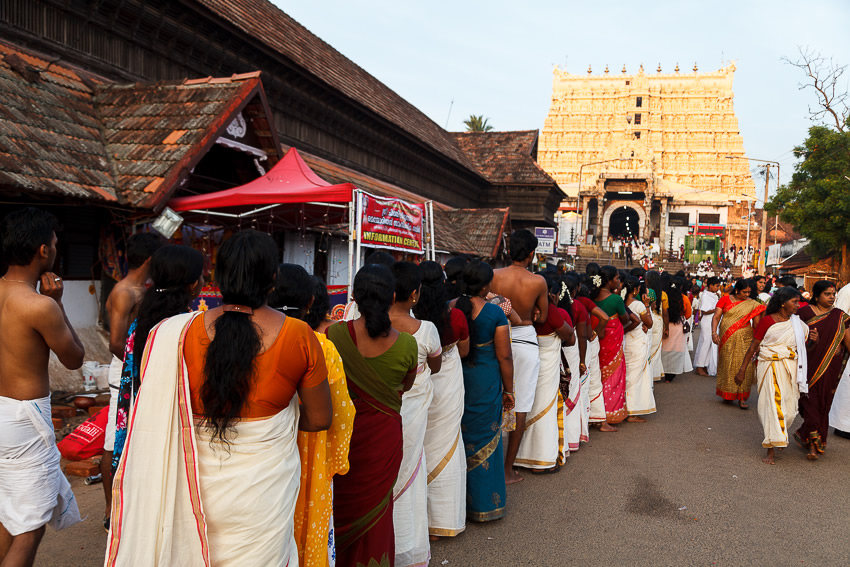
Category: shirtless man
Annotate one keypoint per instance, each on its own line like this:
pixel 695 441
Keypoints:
pixel 33 490
pixel 526 291
pixel 121 308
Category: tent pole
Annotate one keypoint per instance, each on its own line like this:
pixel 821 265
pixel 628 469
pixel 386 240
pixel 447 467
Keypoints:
pixel 359 227
pixel 352 234
pixel 433 235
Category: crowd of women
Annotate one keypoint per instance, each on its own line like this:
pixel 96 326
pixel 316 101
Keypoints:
pixel 792 347
pixel 260 432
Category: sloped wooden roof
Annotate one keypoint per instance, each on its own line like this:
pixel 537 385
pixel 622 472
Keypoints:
pixel 483 228
pixel 504 157
pixel 66 133
pixel 50 139
pixel 825 266
pixel 271 26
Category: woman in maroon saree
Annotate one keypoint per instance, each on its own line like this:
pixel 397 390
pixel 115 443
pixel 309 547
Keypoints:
pixel 825 363
pixel 380 363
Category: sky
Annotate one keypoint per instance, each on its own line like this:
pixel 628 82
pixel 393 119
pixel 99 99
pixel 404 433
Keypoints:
pixel 454 59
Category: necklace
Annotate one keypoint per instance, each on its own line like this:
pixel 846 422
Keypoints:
pixel 5 279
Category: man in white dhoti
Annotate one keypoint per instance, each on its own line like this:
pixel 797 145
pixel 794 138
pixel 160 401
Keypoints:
pixel 705 357
pixel 33 490
pixel 780 340
pixel 525 291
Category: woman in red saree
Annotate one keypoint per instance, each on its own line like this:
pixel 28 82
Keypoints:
pixel 380 363
pixel 605 289
pixel 732 330
pixel 825 363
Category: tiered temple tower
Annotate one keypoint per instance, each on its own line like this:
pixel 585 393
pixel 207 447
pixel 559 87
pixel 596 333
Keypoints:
pixel 672 127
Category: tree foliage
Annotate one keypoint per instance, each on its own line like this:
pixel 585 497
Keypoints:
pixel 477 123
pixel 817 200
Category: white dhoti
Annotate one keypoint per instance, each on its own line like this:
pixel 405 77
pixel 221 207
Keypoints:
pixel 33 490
pixel 639 397
pixel 526 355
pixel 705 355
pixel 541 441
pixel 576 407
pixel 839 413
pixel 114 379
pixel 410 493
pixel 444 452
pixel 777 383
pixel 594 383
pixel 656 365
pixel 179 501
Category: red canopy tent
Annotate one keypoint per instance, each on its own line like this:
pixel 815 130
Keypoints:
pixel 290 181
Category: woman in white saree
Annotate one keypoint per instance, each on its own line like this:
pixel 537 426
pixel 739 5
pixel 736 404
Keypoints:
pixel 542 444
pixel 410 494
pixel 780 340
pixel 639 397
pixel 210 470
pixel 656 309
pixel 444 453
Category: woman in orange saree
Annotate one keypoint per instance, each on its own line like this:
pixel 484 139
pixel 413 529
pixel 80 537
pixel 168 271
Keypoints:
pixel 732 330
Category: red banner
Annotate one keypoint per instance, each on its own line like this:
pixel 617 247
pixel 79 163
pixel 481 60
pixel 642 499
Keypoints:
pixel 392 223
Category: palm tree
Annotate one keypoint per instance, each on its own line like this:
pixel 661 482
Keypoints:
pixel 477 124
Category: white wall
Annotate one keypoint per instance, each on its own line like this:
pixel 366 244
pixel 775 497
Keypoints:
pixel 80 299
pixel 692 211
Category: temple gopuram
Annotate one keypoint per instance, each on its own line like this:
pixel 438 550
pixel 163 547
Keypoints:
pixel 645 154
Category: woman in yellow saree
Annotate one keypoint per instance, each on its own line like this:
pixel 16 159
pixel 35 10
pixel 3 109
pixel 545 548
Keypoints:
pixel 735 319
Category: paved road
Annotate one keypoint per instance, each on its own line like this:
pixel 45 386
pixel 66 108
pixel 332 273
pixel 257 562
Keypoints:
pixel 619 500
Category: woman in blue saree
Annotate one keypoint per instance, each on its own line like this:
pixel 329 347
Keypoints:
pixel 488 378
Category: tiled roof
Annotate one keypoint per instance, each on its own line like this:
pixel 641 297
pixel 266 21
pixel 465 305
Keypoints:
pixel 268 24
pixel 50 140
pixel 449 237
pixel 66 133
pixel 152 131
pixel 825 266
pixel 504 157
pixel 483 228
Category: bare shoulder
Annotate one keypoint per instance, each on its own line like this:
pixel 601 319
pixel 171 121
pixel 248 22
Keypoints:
pixel 35 308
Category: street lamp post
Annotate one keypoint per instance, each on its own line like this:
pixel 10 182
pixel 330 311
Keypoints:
pixel 578 195
pixel 763 239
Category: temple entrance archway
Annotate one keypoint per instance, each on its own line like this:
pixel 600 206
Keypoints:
pixel 623 218
pixel 623 223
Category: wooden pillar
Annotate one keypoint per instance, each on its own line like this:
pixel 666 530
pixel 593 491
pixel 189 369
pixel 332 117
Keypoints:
pixel 663 236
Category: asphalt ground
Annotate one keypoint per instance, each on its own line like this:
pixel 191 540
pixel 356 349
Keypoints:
pixel 686 488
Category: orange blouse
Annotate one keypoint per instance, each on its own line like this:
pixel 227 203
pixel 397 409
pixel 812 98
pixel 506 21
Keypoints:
pixel 294 360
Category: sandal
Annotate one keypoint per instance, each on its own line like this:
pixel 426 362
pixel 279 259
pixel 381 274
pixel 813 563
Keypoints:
pixel 551 470
pixel 743 405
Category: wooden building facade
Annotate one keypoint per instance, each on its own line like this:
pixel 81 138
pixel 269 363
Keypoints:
pixel 321 101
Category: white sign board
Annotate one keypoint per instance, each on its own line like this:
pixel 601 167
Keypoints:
pixel 572 250
pixel 546 238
